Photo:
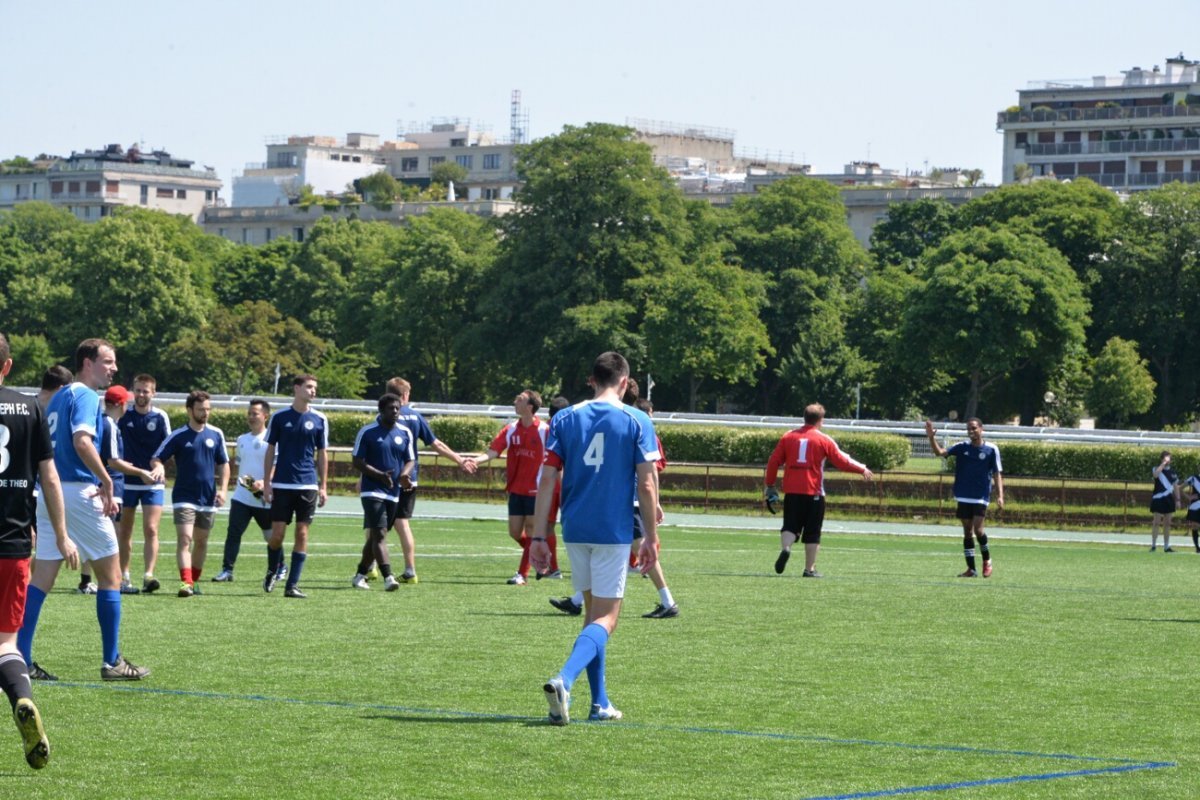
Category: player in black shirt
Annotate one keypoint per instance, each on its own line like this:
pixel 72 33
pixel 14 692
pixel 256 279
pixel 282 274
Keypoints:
pixel 26 458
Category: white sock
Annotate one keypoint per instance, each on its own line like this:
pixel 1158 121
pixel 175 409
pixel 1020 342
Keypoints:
pixel 664 597
pixel 577 598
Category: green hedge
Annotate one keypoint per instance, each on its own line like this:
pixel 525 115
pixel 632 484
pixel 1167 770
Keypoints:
pixel 466 434
pixel 725 445
pixel 1101 462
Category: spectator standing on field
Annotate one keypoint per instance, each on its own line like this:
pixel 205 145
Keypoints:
pixel 802 454
pixel 1164 499
pixel 26 460
pixel 976 463
pixel 247 504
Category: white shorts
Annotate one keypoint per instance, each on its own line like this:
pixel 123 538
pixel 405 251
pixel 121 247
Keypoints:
pixel 92 532
pixel 599 568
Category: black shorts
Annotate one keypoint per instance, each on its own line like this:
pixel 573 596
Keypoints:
pixel 240 516
pixel 803 515
pixel 1162 505
pixel 521 505
pixel 971 510
pixel 378 513
pixel 1194 516
pixel 638 530
pixel 404 508
pixel 300 502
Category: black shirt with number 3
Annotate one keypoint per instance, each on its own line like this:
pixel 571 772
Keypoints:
pixel 24 444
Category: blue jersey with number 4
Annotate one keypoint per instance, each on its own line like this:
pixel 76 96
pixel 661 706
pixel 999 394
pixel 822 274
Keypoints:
pixel 598 446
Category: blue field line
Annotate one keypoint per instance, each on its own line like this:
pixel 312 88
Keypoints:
pixel 1119 765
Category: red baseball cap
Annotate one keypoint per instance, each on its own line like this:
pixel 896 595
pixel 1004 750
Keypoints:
pixel 117 395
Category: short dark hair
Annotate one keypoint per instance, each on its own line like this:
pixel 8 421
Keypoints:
pixel 56 377
pixel 609 368
pixel 258 401
pixel 196 396
pixel 974 419
pixel 643 405
pixel 89 350
pixel 305 378
pixel 558 404
pixel 388 397
pixel 145 377
pixel 5 350
pixel 533 398
pixel 813 413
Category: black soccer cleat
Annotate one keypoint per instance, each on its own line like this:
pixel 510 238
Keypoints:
pixel 781 562
pixel 662 612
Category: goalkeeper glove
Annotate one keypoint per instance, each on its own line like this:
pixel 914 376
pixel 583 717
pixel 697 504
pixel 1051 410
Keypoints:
pixel 771 495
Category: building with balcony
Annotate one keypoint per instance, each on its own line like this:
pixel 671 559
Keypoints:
pixel 1134 131
pixel 490 165
pixel 90 184
pixel 325 163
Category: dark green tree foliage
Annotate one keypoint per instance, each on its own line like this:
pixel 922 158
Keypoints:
pixel 1121 384
pixel 992 302
pixel 794 233
pixel 911 228
pixel 253 273
pixel 31 356
pixel 595 214
pixel 1150 284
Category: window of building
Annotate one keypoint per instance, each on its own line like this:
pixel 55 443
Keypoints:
pixel 1095 136
pixel 145 194
pixel 1064 169
pixel 55 188
pixel 1173 165
pixel 356 159
pixel 408 164
pixel 163 193
pixel 458 142
pixel 1147 167
pixel 221 232
pixel 286 159
pixel 208 195
pixel 1070 136
pixel 245 236
pixel 465 161
pixel 270 234
pixel 1114 167
pixel 17 190
pixel 491 161
pixel 73 187
pixel 104 211
pixel 1045 137
pixel 1022 139
pixel 1196 165
pixel 435 160
pixel 1088 167
pixel 491 194
pixel 112 187
pixel 298 234
pixel 92 188
pixel 35 190
pixel 181 194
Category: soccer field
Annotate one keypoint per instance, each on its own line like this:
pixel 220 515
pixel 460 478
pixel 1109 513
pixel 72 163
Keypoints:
pixel 1067 675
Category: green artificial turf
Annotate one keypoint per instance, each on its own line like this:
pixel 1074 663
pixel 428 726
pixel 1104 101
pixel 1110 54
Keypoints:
pixel 888 674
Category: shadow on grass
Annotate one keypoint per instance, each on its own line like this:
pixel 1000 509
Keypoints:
pixel 439 719
pixel 1167 619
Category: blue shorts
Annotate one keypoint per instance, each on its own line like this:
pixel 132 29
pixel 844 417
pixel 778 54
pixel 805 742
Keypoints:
pixel 147 497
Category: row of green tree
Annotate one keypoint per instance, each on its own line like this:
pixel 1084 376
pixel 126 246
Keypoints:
pixel 1042 299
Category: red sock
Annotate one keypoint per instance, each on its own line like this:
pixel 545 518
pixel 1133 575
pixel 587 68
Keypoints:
pixel 523 569
pixel 196 574
pixel 552 543
pixel 185 574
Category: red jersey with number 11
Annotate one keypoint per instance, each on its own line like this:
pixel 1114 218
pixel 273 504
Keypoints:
pixel 526 448
pixel 802 453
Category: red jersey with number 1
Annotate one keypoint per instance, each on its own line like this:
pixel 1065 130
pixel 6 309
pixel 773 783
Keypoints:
pixel 526 448
pixel 802 453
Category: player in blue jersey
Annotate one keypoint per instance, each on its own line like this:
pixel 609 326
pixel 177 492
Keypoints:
pixel 112 453
pixel 601 447
pixel 143 428
pixel 385 456
pixel 74 417
pixel 26 458
pixel 295 484
pixel 976 464
pixel 416 424
pixel 201 481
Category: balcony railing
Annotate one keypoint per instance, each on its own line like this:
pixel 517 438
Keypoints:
pixel 1162 178
pixel 1089 114
pixel 1114 146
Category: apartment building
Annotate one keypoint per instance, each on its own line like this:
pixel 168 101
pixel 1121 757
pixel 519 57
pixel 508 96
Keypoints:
pixel 1134 131
pixel 92 183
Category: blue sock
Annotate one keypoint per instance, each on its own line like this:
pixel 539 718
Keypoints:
pixel 108 612
pixel 34 597
pixel 595 673
pixel 297 565
pixel 588 645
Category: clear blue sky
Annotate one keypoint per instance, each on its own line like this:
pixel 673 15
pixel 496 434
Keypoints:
pixel 899 82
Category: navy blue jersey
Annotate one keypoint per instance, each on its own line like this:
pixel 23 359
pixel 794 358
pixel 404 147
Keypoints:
pixel 973 470
pixel 197 454
pixel 1194 482
pixel 386 449
pixel 112 446
pixel 297 438
pixel 73 409
pixel 143 434
pixel 420 430
pixel 598 446
pixel 1164 484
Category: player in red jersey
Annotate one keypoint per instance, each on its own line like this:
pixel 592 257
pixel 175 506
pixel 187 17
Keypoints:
pixel 802 453
pixel 524 442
